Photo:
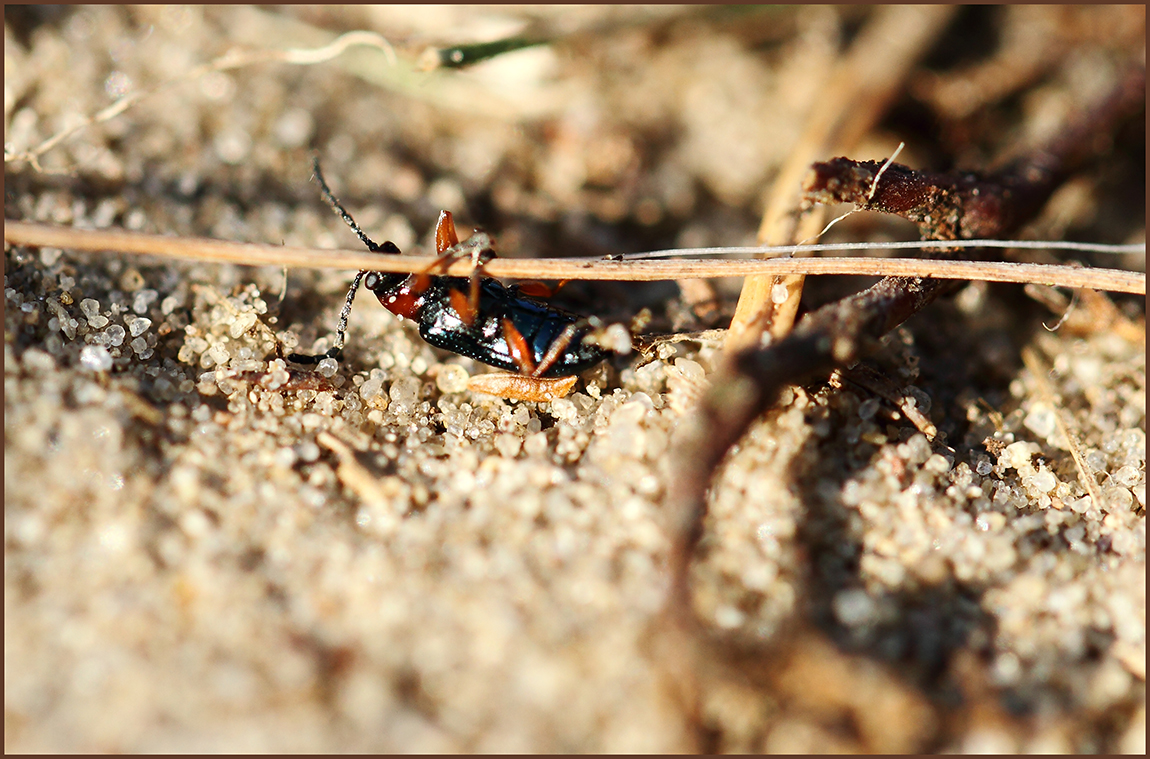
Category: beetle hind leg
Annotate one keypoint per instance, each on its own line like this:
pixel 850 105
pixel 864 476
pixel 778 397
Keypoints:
pixel 555 350
pixel 519 388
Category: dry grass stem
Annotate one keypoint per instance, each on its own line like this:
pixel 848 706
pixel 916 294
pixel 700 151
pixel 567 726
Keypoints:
pixel 253 254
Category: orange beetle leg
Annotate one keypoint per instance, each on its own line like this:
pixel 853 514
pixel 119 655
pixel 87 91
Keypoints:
pixel 473 291
pixel 445 236
pixel 558 345
pixel 463 306
pixel 520 351
pixel 520 388
pixel 534 289
pixel 419 283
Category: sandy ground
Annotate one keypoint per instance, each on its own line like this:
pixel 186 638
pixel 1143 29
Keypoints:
pixel 197 562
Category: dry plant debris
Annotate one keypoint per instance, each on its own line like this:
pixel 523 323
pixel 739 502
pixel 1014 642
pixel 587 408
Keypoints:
pixel 203 554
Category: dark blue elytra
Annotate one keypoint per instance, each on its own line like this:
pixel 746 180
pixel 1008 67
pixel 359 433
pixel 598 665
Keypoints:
pixel 539 323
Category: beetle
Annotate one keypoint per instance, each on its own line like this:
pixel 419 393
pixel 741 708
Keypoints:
pixel 504 326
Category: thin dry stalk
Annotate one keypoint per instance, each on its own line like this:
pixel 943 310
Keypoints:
pixel 255 254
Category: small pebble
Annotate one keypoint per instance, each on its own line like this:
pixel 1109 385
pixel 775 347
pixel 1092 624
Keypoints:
pixel 95 358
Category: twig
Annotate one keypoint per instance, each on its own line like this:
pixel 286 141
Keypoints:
pixel 945 206
pixel 869 196
pixel 255 254
pixel 767 251
pixel 871 380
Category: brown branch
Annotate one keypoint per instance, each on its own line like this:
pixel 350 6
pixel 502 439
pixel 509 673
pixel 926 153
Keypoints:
pixel 970 206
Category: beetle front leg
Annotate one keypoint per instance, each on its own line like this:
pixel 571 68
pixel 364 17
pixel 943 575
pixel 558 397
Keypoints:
pixel 336 351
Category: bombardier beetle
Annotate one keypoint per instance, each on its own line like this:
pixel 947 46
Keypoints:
pixel 479 317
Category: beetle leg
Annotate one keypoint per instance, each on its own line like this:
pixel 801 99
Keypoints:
pixel 473 290
pixel 340 330
pixel 447 247
pixel 423 278
pixel 445 236
pixel 534 289
pixel 520 388
pixel 555 350
pixel 563 342
pixel 479 256
pixel 464 306
pixel 520 350
pixel 479 250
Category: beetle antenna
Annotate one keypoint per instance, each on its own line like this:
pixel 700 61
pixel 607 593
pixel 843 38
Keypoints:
pixel 387 247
